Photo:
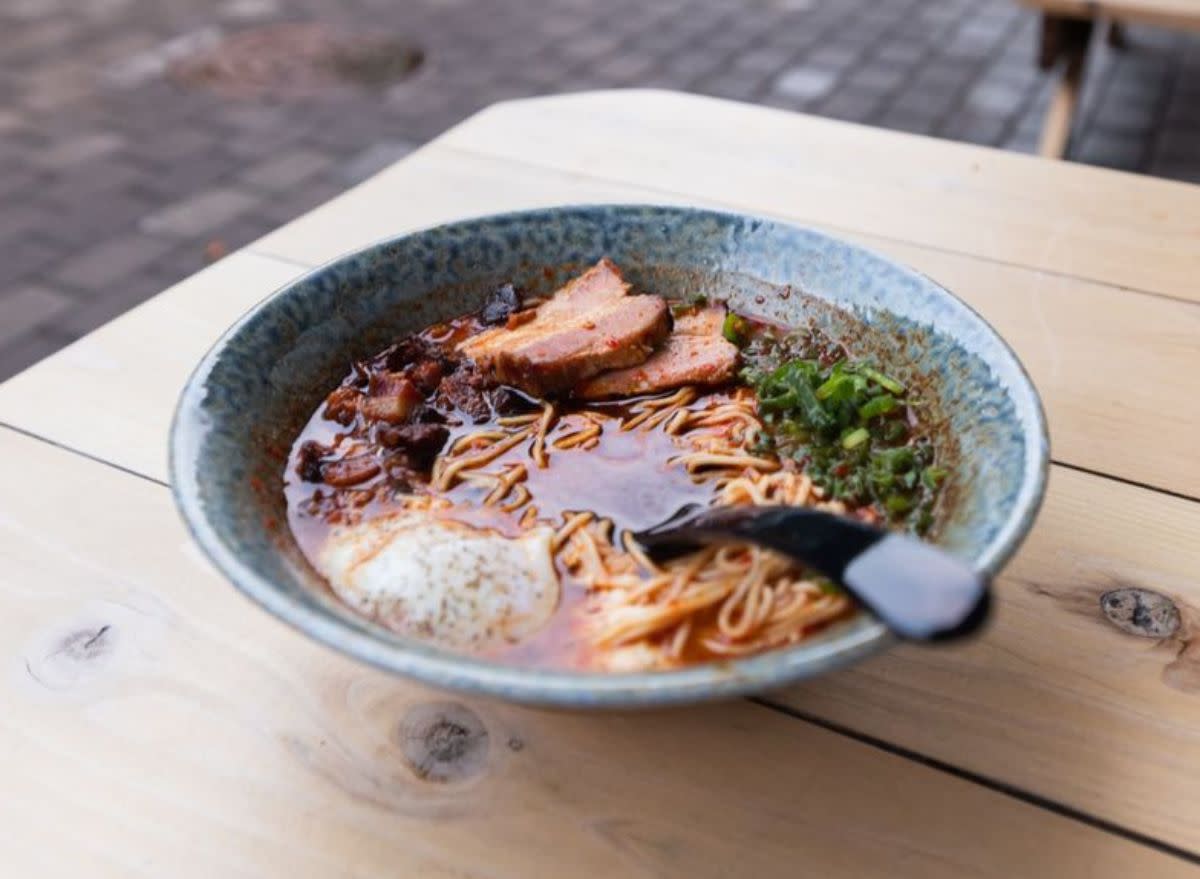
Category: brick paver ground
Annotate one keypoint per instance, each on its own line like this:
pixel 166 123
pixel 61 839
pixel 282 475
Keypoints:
pixel 115 182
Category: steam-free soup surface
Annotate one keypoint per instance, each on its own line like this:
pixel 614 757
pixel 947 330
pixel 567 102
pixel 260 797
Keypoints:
pixel 476 485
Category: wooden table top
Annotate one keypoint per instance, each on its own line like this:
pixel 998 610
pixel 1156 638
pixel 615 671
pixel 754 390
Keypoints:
pixel 1182 14
pixel 156 723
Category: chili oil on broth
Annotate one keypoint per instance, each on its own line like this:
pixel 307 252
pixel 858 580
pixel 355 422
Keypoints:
pixel 619 479
pixel 577 478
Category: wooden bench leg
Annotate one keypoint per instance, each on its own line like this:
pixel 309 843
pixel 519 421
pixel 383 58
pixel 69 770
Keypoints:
pixel 1065 40
pixel 1117 38
pixel 1056 128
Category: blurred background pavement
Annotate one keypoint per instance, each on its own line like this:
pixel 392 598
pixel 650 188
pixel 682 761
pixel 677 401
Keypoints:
pixel 142 139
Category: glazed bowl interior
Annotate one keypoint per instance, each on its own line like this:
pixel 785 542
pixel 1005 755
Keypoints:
pixel 255 389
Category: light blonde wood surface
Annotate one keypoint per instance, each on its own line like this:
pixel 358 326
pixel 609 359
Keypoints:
pixel 1182 14
pixel 1088 222
pixel 1053 701
pixel 1143 535
pixel 157 724
pixel 122 381
pixel 1065 330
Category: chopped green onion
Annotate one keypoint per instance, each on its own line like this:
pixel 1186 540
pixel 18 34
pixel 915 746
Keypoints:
pixel 884 381
pixel 931 477
pixel 814 412
pixel 841 422
pixel 842 387
pixel 855 438
pixel 876 406
pixel 735 329
pixel 827 390
pixel 791 387
pixel 895 460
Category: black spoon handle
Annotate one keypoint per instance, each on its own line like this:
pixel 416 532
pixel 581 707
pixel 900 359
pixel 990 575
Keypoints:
pixel 916 589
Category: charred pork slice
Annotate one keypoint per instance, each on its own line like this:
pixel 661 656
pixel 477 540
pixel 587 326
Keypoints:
pixel 589 326
pixel 695 354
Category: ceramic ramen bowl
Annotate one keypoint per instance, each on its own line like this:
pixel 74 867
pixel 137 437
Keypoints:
pixel 252 393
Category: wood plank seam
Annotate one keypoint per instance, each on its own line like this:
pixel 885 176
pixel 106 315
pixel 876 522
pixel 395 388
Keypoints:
pixel 1057 462
pixel 1125 480
pixel 128 471
pixel 280 258
pixel 1006 789
pixel 1000 787
pixel 1055 587
pixel 721 203
pixel 977 199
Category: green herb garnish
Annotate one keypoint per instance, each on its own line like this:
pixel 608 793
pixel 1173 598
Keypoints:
pixel 885 382
pixel 845 422
pixel 876 406
pixel 855 438
pixel 736 329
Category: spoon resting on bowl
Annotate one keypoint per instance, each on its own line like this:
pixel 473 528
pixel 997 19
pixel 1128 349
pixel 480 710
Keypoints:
pixel 918 591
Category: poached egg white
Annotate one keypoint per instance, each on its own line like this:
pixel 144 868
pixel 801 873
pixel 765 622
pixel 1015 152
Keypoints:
pixel 442 580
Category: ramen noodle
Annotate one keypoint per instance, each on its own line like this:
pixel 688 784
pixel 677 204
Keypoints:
pixel 479 484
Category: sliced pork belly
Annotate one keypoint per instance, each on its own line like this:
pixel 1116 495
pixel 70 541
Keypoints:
pixel 590 325
pixel 708 320
pixel 696 353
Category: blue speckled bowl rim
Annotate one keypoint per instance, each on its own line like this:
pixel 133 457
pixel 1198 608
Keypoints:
pixel 575 689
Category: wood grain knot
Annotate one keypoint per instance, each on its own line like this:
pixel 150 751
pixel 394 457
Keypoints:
pixel 65 661
pixel 444 742
pixel 87 645
pixel 1141 612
